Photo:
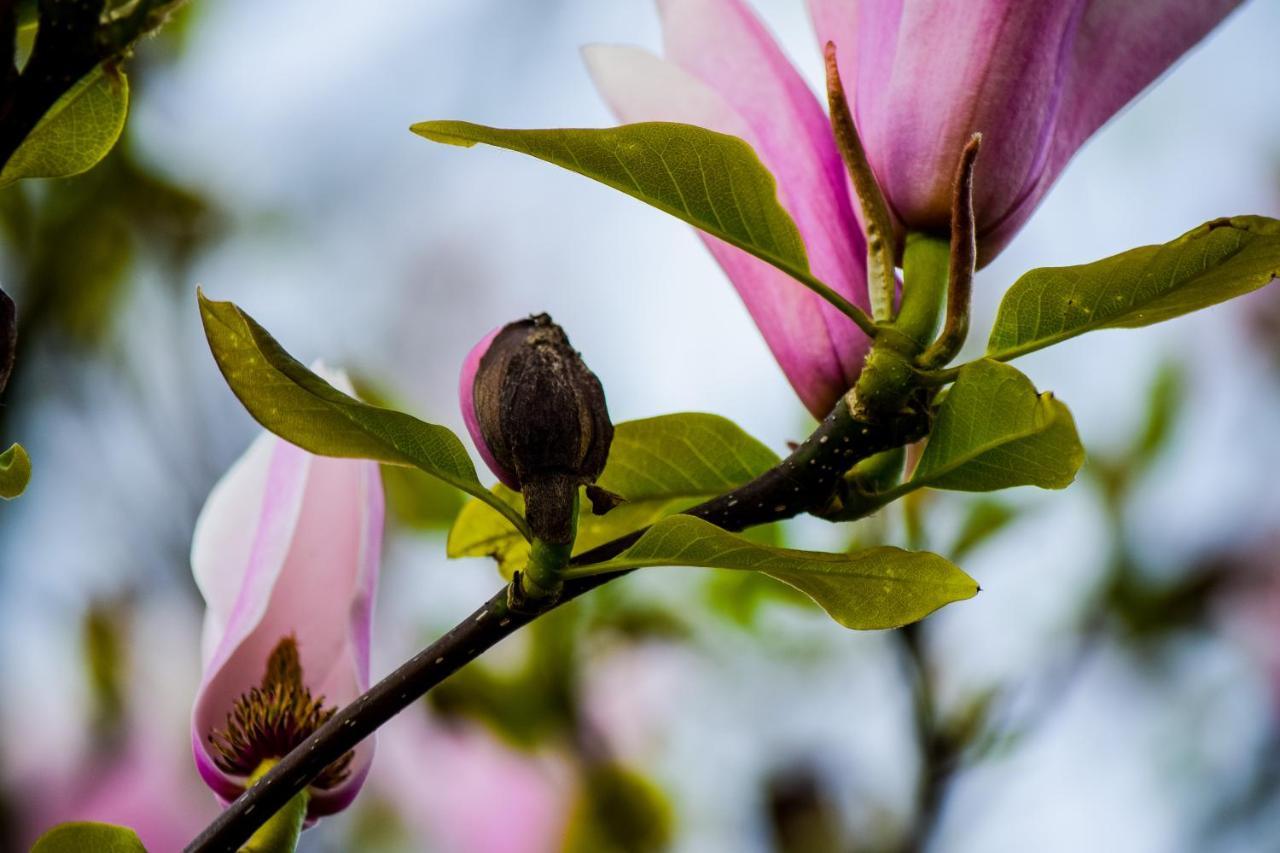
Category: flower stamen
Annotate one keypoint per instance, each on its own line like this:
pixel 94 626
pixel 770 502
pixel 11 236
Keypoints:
pixel 268 721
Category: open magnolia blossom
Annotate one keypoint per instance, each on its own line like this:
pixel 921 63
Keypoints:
pixel 286 554
pixel 725 73
pixel 1034 79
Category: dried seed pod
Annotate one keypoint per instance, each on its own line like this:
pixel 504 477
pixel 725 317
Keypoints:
pixel 538 417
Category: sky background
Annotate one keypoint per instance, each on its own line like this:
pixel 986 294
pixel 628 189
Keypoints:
pixel 353 240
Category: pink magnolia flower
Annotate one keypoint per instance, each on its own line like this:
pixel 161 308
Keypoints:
pixel 286 555
pixel 724 72
pixel 1035 78
pixel 143 784
pixel 463 788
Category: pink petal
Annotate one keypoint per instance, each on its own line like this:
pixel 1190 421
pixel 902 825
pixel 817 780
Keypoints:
pixel 818 348
pixel 466 398
pixel 1036 79
pixel 1119 49
pixel 225 533
pixel 311 572
pixel 928 75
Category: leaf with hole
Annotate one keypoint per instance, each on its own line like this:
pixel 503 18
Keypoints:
pixel 300 407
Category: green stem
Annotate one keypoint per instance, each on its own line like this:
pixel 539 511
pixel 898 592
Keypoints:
pixel 924 288
pixel 281 831
pixel 544 573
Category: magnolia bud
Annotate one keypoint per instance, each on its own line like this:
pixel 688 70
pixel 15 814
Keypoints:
pixel 538 417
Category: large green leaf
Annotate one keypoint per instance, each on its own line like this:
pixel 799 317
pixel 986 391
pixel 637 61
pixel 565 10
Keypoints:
pixel 1219 260
pixel 993 431
pixel 710 180
pixel 85 836
pixel 300 407
pixel 877 588
pixel 660 465
pixel 77 131
pixel 15 471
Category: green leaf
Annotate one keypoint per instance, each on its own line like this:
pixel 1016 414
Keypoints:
pixel 661 465
pixel 15 472
pixel 877 588
pixel 300 407
pixel 1218 261
pixel 710 180
pixel 82 836
pixel 1164 402
pixel 78 130
pixel 993 431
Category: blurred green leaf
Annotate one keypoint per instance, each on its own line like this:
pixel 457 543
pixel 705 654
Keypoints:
pixel 984 519
pixel 15 472
pixel 8 337
pixel 877 588
pixel 528 704
pixel 993 431
pixel 417 500
pixel 661 465
pixel 71 244
pixel 105 648
pixel 740 597
pixel 1164 402
pixel 85 836
pixel 77 131
pixel 300 407
pixel 618 811
pixel 1215 262
pixel 710 180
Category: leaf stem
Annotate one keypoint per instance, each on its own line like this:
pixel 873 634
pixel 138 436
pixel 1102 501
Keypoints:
pixel 853 312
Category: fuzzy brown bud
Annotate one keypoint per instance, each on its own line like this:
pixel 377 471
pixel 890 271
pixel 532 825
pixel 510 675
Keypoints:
pixel 538 416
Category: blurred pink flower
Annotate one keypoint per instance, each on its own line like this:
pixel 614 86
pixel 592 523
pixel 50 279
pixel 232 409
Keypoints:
pixel 468 792
pixel 143 784
pixel 725 72
pixel 286 553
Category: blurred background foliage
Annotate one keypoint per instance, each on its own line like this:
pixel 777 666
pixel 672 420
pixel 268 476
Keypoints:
pixel 1116 687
